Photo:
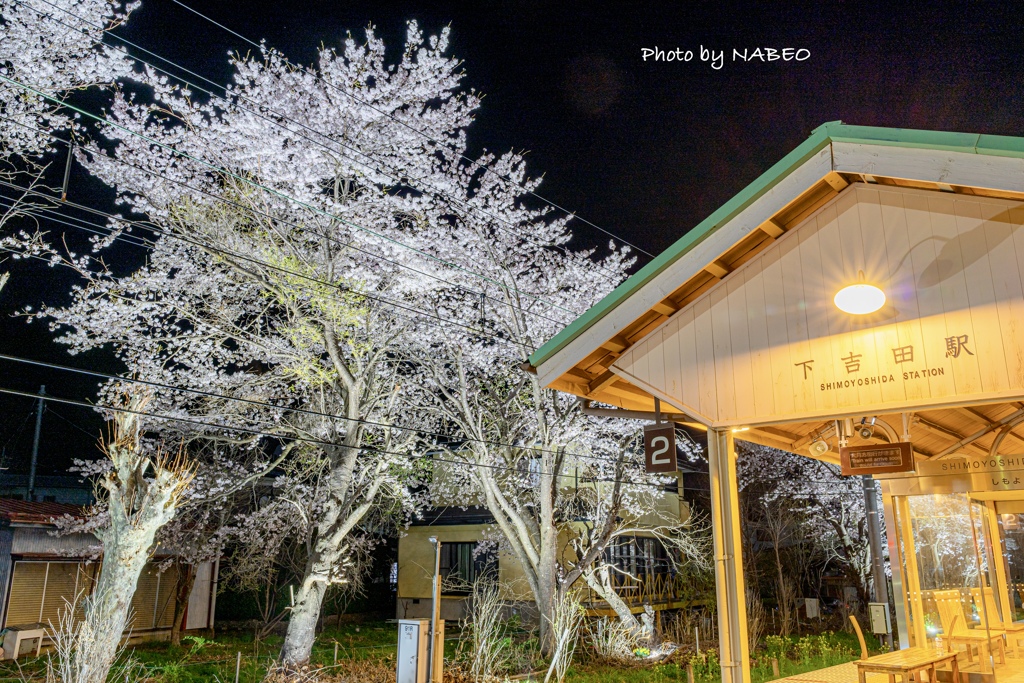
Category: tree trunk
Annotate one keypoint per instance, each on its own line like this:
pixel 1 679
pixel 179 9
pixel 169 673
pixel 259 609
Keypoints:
pixel 783 596
pixel 182 592
pixel 138 506
pixel 547 569
pixel 546 603
pixel 298 641
pixel 600 582
pixel 338 519
pixel 106 612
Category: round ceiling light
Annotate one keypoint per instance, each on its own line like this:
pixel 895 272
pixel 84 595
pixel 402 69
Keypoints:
pixel 859 299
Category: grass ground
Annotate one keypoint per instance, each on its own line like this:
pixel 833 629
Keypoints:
pixel 809 654
pixel 366 654
pixel 215 660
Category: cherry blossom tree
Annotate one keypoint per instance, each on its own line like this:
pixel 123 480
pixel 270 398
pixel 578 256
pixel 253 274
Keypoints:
pixel 545 471
pixel 139 491
pixel 289 261
pixel 46 56
pixel 810 515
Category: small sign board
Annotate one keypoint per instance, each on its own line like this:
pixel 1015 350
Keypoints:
pixel 877 458
pixel 811 607
pixel 660 448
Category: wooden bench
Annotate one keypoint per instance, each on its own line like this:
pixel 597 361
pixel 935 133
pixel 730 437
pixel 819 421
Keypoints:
pixel 909 664
pixel 988 611
pixel 955 632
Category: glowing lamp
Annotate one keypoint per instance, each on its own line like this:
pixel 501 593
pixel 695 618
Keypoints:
pixel 860 298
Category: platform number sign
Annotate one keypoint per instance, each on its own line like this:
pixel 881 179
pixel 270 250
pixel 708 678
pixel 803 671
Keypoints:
pixel 660 448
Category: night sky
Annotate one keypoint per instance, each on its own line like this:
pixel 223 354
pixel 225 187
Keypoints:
pixel 643 149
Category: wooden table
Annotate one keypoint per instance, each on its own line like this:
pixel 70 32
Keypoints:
pixel 908 664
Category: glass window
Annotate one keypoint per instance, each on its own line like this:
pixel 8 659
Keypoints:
pixel 462 564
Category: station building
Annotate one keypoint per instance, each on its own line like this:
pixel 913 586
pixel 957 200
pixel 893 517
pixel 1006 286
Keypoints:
pixel 872 277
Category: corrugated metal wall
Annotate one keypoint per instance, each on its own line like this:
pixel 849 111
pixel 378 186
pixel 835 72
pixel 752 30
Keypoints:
pixel 6 538
pixel 33 541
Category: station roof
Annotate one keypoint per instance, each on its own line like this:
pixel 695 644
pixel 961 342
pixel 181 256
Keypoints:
pixel 579 359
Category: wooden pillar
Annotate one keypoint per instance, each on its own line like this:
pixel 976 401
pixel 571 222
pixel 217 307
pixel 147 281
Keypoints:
pixel 729 584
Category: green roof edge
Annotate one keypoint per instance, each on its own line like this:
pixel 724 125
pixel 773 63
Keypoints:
pixel 826 134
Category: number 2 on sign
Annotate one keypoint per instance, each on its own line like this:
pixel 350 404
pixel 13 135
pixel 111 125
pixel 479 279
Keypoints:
pixel 660 445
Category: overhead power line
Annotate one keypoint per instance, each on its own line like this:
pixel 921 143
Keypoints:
pixel 223 200
pixel 275 406
pixel 416 131
pixel 280 195
pixel 305 411
pixel 397 178
pixel 431 456
pixel 104 231
pixel 306 439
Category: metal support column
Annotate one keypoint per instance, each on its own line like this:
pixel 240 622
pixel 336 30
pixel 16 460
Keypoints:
pixel 435 609
pixel 874 529
pixel 729 584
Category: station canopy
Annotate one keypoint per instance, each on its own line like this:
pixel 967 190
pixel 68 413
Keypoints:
pixel 736 324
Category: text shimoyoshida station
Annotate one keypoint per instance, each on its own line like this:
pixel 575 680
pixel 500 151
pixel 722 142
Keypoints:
pixel 872 276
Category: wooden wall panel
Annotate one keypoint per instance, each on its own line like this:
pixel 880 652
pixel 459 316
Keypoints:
pixel 1007 261
pixel 26 597
pixel 768 345
pixel 165 597
pixel 757 342
pixel 144 599
pixel 61 590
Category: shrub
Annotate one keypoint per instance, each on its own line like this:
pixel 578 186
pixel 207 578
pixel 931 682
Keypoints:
pixel 805 648
pixel 776 647
pixel 611 639
pixel 705 665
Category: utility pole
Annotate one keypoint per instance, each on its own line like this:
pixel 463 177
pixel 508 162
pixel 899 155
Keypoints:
pixel 875 538
pixel 35 446
pixel 435 606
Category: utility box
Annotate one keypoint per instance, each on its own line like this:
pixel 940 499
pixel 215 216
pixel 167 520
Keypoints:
pixel 413 636
pixel 879 613
pixel 24 639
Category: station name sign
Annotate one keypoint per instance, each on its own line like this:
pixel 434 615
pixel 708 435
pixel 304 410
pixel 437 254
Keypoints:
pixel 992 473
pixel 877 458
pixel 962 464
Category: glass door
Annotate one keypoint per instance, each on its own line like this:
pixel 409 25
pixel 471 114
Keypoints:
pixel 947 556
pixel 1010 526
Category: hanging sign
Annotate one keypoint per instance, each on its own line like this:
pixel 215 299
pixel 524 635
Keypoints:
pixel 877 458
pixel 660 448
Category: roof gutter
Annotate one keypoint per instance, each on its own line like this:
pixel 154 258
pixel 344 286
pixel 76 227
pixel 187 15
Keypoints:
pixel 818 139
pixel 681 418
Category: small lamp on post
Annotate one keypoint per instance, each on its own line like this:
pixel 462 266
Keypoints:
pixel 435 606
